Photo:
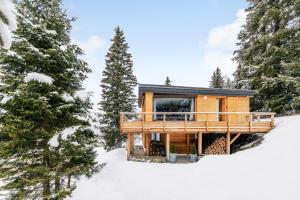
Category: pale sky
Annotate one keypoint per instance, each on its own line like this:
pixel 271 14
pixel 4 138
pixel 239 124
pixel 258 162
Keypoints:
pixel 185 40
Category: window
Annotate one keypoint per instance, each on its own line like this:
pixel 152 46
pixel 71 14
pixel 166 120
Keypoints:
pixel 155 137
pixel 173 105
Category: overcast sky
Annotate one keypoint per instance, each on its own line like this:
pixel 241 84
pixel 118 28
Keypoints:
pixel 185 40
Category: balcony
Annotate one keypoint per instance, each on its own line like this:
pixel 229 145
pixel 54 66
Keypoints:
pixel 193 122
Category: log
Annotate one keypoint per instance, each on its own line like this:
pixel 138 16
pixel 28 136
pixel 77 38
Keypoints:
pixel 217 147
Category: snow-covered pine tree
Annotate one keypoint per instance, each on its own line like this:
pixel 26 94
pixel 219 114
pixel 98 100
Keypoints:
pixel 268 55
pixel 45 143
pixel 117 85
pixel 168 82
pixel 7 22
pixel 217 80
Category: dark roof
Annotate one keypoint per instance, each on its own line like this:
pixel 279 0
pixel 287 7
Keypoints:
pixel 183 90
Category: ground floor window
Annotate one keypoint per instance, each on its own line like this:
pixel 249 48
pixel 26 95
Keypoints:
pixel 155 137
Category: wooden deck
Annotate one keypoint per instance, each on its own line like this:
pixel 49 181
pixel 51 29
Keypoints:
pixel 205 122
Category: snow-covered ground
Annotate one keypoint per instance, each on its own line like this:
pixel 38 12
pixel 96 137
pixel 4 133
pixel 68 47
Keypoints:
pixel 269 171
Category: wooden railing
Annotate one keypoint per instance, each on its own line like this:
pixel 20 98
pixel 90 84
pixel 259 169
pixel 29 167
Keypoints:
pixel 193 121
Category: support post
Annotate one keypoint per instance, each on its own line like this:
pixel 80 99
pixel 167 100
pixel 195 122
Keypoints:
pixel 128 145
pixel 168 146
pixel 272 120
pixel 188 143
pixel 228 142
pixel 251 119
pixel 199 143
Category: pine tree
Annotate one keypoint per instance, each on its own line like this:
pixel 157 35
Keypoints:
pixel 228 83
pixel 168 82
pixel 117 85
pixel 217 80
pixel 268 55
pixel 45 142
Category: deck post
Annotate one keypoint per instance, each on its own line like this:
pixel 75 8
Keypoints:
pixel 128 145
pixel 272 120
pixel 228 142
pixel 199 143
pixel 188 143
pixel 251 122
pixel 168 146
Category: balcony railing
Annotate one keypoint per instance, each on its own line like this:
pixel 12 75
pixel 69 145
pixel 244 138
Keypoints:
pixel 196 121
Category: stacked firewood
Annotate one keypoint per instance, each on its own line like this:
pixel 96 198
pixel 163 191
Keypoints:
pixel 217 147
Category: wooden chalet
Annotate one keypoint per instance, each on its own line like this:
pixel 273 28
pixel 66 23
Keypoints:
pixel 184 115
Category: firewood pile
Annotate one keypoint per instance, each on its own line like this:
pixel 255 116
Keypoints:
pixel 217 147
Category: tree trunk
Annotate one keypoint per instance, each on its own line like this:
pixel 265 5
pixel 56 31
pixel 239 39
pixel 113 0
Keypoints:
pixel 69 181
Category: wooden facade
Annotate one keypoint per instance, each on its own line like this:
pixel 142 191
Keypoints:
pixel 228 115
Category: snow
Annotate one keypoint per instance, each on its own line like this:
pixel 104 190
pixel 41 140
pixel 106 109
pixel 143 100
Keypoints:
pixel 269 171
pixel 63 47
pixel 51 32
pixel 5 99
pixel 53 142
pixel 67 97
pixel 13 53
pixel 83 95
pixel 8 9
pixel 42 78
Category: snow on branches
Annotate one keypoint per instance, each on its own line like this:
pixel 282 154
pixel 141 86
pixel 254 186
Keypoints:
pixel 42 78
pixel 7 22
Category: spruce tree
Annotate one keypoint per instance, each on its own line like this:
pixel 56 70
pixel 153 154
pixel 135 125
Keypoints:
pixel 168 82
pixel 228 83
pixel 268 55
pixel 117 86
pixel 217 80
pixel 45 142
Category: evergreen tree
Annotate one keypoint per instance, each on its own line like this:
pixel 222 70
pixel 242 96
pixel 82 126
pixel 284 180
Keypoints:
pixel 45 143
pixel 117 85
pixel 217 80
pixel 268 55
pixel 168 82
pixel 228 83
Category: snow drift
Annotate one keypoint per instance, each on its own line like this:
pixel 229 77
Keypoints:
pixel 269 171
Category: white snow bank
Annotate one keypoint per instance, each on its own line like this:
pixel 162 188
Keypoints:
pixel 83 95
pixel 42 78
pixel 269 171
pixel 53 142
pixel 8 9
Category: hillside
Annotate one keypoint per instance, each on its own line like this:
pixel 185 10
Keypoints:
pixel 269 171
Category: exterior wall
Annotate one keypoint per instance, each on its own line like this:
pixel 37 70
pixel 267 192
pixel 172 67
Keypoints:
pixel 148 105
pixel 206 104
pixel 238 104
pixel 180 140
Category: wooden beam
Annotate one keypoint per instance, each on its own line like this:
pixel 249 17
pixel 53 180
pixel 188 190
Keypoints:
pixel 251 119
pixel 228 142
pixel 199 143
pixel 273 120
pixel 147 141
pixel 128 145
pixel 235 137
pixel 168 146
pixel 188 143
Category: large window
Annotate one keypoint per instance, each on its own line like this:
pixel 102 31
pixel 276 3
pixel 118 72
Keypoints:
pixel 173 105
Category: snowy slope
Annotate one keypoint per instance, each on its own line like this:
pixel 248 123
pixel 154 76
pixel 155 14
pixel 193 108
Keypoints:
pixel 269 171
